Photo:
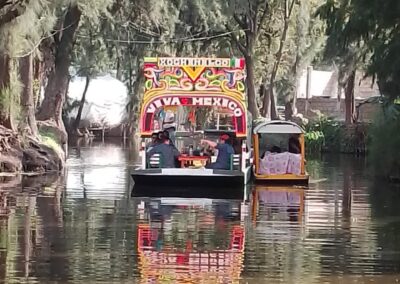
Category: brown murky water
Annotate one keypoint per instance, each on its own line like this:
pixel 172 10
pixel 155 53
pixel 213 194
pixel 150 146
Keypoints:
pixel 85 228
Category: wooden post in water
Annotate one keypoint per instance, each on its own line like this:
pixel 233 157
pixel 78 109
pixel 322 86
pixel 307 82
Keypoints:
pixel 308 88
pixel 124 133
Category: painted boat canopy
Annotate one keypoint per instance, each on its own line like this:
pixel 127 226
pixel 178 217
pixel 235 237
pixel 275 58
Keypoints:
pixel 171 82
pixel 277 126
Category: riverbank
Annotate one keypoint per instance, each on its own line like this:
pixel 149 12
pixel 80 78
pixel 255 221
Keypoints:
pixel 25 153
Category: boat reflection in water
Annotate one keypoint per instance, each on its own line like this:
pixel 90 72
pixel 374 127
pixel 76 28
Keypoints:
pixel 190 240
pixel 277 203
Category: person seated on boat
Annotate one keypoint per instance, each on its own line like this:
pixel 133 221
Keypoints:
pixel 294 144
pixel 154 141
pixel 167 134
pixel 225 150
pixel 168 152
pixel 170 133
pixel 274 149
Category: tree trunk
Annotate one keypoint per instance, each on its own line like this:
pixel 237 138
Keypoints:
pixel 81 105
pixel 57 85
pixel 38 74
pixel 251 91
pixel 5 110
pixel 264 93
pixel 288 111
pixel 27 101
pixel 288 12
pixel 136 94
pixel 349 98
pixel 274 112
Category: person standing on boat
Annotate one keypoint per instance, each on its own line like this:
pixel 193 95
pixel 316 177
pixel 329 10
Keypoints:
pixel 225 150
pixel 168 152
pixel 169 125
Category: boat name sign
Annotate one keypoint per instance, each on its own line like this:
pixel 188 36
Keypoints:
pixel 196 101
pixel 203 62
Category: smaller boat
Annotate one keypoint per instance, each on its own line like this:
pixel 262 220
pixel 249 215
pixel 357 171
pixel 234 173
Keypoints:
pixel 279 152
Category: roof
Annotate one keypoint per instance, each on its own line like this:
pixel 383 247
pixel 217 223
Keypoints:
pixel 277 126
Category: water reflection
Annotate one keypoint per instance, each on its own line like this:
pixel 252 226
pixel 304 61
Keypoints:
pixel 190 241
pixel 277 203
pixel 87 228
pixel 98 170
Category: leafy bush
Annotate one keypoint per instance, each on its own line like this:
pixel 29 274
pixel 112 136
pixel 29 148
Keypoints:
pixel 322 133
pixel 384 154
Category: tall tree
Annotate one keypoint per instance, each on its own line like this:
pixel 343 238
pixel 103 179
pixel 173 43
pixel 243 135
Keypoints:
pixel 90 58
pixel 27 101
pixel 250 17
pixel 305 42
pixel 269 101
pixel 5 97
pixel 23 24
pixel 57 85
pixel 346 54
pixel 63 44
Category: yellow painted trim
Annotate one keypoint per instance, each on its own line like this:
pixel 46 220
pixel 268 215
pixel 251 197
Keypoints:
pixel 302 152
pixel 193 72
pixel 260 187
pixel 256 154
pixel 281 177
pixel 150 60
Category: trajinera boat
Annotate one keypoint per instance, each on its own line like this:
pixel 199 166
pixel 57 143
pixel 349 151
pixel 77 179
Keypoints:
pixel 195 108
pixel 279 152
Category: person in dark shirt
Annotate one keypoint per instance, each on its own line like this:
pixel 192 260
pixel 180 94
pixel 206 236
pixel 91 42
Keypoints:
pixel 225 150
pixel 294 144
pixel 170 130
pixel 168 152
pixel 154 141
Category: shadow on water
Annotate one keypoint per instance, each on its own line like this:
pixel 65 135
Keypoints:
pixel 210 192
pixel 86 227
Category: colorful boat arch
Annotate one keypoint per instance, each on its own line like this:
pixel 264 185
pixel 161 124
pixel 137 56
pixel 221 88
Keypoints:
pixel 207 82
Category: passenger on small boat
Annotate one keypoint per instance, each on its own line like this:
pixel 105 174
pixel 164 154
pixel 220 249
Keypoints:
pixel 168 152
pixel 225 150
pixel 294 144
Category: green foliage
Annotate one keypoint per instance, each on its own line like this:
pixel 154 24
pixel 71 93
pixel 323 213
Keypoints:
pixel 26 31
pixel 384 154
pixel 314 140
pixel 322 133
pixel 50 140
pixel 10 96
pixel 367 31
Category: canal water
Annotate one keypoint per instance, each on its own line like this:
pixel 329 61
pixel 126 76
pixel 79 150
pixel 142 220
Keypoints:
pixel 85 227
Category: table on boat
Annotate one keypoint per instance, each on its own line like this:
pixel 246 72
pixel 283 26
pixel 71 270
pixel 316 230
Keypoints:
pixel 185 158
